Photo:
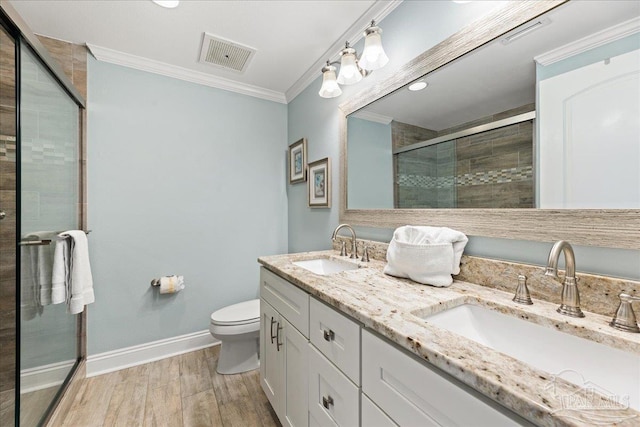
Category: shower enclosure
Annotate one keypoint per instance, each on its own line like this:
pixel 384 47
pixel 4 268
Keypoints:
pixel 40 196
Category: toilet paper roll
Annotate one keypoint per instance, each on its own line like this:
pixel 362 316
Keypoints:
pixel 169 284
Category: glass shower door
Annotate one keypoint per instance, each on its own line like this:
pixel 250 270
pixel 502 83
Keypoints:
pixel 49 188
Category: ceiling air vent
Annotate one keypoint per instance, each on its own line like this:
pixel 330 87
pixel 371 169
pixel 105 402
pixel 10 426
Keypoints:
pixel 225 54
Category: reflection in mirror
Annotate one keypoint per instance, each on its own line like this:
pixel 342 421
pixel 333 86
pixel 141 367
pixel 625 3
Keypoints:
pixel 521 122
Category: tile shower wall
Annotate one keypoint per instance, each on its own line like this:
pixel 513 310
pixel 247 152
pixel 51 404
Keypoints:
pixel 7 228
pixel 492 169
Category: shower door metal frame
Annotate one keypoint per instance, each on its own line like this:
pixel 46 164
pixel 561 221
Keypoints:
pixel 22 34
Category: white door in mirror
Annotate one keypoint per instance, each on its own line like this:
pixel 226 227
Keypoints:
pixel 589 134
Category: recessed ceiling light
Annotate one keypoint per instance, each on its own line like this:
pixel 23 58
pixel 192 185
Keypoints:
pixel 169 4
pixel 418 86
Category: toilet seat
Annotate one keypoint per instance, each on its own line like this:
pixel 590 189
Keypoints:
pixel 243 313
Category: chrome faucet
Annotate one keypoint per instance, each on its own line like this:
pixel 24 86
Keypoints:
pixel 570 305
pixel 354 249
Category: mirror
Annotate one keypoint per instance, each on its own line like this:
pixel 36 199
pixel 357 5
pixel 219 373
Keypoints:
pixel 470 138
pixel 489 128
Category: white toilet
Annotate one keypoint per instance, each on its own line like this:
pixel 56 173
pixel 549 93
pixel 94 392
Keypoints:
pixel 238 328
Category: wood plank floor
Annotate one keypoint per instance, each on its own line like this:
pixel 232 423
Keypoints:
pixel 184 390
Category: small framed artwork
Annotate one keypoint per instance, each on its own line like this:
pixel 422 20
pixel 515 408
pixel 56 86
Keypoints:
pixel 298 161
pixel 319 184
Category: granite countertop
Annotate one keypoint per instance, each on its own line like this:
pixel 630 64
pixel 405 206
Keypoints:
pixel 393 307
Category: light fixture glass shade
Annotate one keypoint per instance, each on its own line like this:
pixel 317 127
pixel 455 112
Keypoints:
pixel 373 56
pixel 349 70
pixel 169 4
pixel 330 88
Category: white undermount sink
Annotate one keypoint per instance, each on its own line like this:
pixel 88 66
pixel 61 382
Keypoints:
pixel 585 363
pixel 326 266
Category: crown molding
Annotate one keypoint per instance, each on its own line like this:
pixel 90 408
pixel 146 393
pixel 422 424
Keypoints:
pixel 378 11
pixel 592 41
pixel 181 73
pixel 372 117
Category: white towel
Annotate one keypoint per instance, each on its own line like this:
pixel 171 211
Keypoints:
pixel 71 263
pixel 29 293
pixel 41 259
pixel 428 255
pixel 61 270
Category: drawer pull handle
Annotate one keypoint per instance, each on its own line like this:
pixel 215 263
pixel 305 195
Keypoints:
pixel 272 323
pixel 329 335
pixel 278 343
pixel 327 401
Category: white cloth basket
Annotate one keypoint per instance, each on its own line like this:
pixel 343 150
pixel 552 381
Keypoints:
pixel 427 255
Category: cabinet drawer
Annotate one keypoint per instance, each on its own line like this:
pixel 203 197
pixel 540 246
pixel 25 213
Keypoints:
pixel 413 393
pixel 337 337
pixel 372 416
pixel 333 399
pixel 287 299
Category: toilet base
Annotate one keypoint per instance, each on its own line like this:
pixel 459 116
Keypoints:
pixel 238 356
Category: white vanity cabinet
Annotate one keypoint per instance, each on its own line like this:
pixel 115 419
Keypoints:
pixel 413 393
pixel 284 348
pixel 318 367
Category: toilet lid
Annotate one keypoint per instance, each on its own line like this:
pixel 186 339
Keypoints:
pixel 237 314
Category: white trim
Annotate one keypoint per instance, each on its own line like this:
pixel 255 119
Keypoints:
pixel 46 376
pixel 144 353
pixel 372 117
pixel 152 66
pixel 378 11
pixel 592 41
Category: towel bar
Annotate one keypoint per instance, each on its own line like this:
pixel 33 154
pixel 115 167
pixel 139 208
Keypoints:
pixel 42 242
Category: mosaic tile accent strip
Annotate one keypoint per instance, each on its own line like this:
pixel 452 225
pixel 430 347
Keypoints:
pixel 521 173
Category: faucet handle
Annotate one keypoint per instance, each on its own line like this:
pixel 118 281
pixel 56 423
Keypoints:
pixel 625 318
pixel 365 254
pixel 343 250
pixel 522 295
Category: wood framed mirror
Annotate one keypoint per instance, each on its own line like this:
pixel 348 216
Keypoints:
pixel 601 227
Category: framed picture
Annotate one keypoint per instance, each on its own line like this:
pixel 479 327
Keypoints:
pixel 319 184
pixel 298 161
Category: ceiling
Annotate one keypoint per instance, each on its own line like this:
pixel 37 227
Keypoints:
pixel 292 38
pixel 498 76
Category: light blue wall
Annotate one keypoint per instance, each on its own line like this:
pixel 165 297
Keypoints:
pixel 609 50
pixel 183 179
pixel 370 164
pixel 409 30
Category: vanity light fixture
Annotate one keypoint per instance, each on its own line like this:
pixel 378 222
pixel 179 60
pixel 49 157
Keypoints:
pixel 419 85
pixel 169 4
pixel 330 88
pixel 352 68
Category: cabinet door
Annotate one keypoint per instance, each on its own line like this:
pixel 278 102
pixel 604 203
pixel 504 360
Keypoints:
pixel 413 393
pixel 271 357
pixel 296 365
pixel 333 398
pixel 372 416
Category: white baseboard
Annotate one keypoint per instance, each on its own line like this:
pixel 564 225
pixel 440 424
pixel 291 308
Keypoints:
pixel 41 377
pixel 127 357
